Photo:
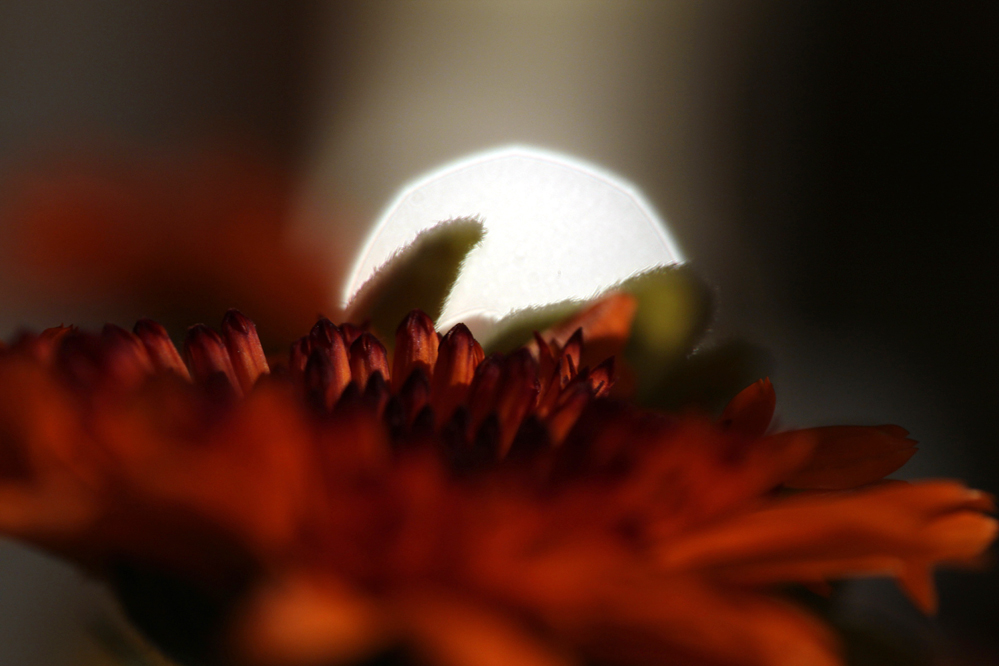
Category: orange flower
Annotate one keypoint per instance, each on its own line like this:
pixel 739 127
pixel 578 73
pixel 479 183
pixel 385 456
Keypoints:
pixel 344 502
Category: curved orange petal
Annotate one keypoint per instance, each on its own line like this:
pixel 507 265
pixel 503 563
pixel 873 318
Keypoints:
pixel 606 326
pixel 750 412
pixel 700 473
pixel 455 632
pixel 49 470
pixel 306 620
pixel 684 619
pixel 896 529
pixel 852 456
pixel 252 473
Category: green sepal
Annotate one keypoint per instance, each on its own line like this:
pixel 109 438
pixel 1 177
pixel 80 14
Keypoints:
pixel 516 329
pixel 709 377
pixel 674 311
pixel 419 276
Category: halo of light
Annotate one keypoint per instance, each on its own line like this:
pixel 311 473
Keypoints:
pixel 556 228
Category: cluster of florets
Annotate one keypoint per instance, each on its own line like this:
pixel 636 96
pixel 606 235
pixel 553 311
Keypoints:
pixel 483 408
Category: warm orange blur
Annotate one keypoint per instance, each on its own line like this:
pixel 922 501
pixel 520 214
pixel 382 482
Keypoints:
pixel 176 237
pixel 825 165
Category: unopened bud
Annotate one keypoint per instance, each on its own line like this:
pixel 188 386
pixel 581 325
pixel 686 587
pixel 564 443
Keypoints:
pixel 43 346
pixel 125 360
pixel 573 350
pixel 532 439
pixel 414 394
pixel 298 356
pixel 317 379
pixel 48 341
pixel 546 362
pixel 207 357
pixel 79 357
pixel 515 395
pixel 567 410
pixel 245 352
pixel 482 391
pixel 350 333
pixel 376 393
pixel 367 356
pixel 601 378
pixel 324 333
pixel 327 336
pixel 485 447
pixel 161 350
pixel 416 345
pixel 458 356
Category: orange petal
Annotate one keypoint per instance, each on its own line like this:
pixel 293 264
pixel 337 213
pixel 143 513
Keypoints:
pixel 916 580
pixel 516 395
pixel 368 356
pixel 161 350
pixel 309 620
pixel 250 473
pixel 245 353
pixel 453 632
pixel 851 456
pixel 899 529
pixel 605 324
pixel 749 413
pixel 713 472
pixel 416 344
pixel 458 357
pixel 208 359
pixel 689 621
pixel 49 466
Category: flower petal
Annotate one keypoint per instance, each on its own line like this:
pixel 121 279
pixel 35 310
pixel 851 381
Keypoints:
pixel 308 620
pixel 896 529
pixel 605 324
pixel 749 413
pixel 454 632
pixel 48 473
pixel 852 456
pixel 685 619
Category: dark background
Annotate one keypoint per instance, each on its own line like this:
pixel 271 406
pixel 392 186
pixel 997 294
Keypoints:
pixel 870 182
pixel 830 166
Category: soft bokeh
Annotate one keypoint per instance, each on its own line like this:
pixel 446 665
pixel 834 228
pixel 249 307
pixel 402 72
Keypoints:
pixel 109 236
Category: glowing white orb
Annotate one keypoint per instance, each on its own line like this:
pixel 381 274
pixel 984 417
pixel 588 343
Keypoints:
pixel 556 229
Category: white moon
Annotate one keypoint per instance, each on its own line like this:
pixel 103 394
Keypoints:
pixel 556 229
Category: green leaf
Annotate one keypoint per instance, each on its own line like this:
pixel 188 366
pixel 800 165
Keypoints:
pixel 419 276
pixel 516 329
pixel 674 310
pixel 708 378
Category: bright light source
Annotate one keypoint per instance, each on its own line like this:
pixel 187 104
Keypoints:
pixel 556 229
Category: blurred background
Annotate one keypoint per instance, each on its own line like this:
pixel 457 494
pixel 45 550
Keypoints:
pixel 829 166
